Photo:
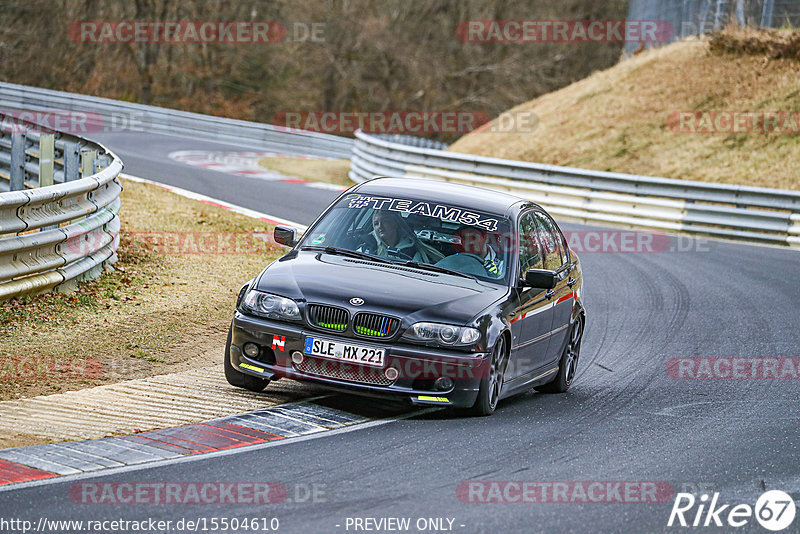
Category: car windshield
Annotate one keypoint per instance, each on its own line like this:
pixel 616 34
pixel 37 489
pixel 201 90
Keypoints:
pixel 417 232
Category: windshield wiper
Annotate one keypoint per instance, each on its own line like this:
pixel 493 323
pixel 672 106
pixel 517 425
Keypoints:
pixel 372 257
pixel 347 252
pixel 436 268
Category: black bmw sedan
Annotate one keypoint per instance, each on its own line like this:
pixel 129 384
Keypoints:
pixel 440 293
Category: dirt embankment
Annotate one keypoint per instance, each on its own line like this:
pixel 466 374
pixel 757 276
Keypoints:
pixel 722 109
pixel 166 307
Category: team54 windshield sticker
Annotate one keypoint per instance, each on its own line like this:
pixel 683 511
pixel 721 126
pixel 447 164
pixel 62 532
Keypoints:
pixel 427 209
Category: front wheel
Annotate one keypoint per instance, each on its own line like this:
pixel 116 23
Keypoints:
pixel 568 363
pixel 237 378
pixel 492 383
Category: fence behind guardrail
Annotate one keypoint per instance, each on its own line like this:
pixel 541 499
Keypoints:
pixel 698 17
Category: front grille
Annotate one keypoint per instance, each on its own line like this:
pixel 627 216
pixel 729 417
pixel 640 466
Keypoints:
pixel 374 325
pixel 328 317
pixel 343 371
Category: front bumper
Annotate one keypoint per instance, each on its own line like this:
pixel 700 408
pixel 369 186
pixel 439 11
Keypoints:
pixel 418 366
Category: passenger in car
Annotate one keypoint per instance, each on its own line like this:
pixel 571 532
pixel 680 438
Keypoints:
pixel 391 237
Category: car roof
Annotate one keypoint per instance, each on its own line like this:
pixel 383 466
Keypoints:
pixel 464 196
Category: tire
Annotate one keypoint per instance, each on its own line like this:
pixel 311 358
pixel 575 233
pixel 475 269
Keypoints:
pixel 568 364
pixel 239 379
pixel 492 383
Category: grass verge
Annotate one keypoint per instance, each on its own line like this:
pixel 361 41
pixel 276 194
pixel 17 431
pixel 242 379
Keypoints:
pixel 331 171
pixel 171 297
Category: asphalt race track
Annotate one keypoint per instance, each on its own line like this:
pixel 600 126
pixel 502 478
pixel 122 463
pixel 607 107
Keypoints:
pixel 625 419
pixel 146 155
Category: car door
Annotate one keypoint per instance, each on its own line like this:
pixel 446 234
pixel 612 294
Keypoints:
pixel 556 257
pixel 532 315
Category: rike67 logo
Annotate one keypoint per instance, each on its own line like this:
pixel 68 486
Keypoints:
pixel 774 510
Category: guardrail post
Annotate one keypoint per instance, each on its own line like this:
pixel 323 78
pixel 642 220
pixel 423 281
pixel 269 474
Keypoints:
pixel 100 163
pixel 88 158
pixel 17 177
pixel 46 157
pixel 71 161
pixel 87 161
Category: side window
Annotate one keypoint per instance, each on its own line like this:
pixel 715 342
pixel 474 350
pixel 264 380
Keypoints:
pixel 552 243
pixel 564 249
pixel 530 256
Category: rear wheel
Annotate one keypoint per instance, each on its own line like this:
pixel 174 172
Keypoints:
pixel 492 383
pixel 237 378
pixel 568 364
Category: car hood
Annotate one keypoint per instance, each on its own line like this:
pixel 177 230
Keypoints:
pixel 407 293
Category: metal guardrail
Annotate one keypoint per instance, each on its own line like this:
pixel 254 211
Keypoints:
pixel 59 205
pixel 593 197
pixel 597 197
pixel 411 140
pixel 114 115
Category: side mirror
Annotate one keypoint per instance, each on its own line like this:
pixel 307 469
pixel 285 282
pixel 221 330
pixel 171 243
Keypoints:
pixel 285 235
pixel 541 278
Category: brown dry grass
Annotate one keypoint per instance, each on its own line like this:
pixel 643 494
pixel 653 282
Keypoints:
pixel 332 171
pixel 160 312
pixel 773 44
pixel 617 119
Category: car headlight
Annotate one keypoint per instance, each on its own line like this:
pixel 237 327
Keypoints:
pixel 270 306
pixel 443 334
pixel 242 293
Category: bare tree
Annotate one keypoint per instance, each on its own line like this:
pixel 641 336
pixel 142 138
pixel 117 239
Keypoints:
pixel 374 55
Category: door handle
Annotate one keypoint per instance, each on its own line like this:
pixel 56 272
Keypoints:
pixel 572 282
pixel 549 294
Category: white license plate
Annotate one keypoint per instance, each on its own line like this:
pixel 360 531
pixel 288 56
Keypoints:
pixel 346 352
